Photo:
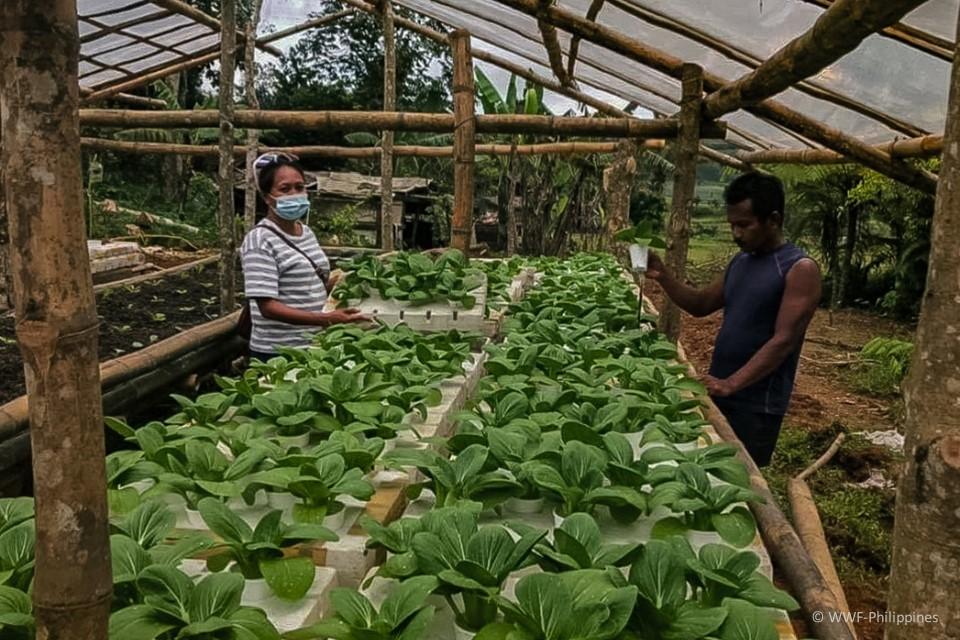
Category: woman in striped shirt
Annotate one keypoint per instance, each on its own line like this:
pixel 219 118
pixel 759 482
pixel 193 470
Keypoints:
pixel 286 273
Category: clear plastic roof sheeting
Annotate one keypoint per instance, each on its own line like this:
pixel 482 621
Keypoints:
pixel 885 89
pixel 121 39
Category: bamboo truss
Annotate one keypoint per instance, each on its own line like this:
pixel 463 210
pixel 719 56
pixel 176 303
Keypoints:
pixel 767 109
pixel 184 9
pixel 923 147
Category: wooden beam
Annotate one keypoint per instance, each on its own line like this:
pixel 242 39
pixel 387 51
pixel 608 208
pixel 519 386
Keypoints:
pixel 140 101
pixel 227 217
pixel 722 158
pixel 184 9
pixel 768 109
pixel 810 86
pixel 55 317
pixel 684 187
pixel 551 42
pixel 910 36
pixel 547 148
pixel 926 146
pixel 184 65
pixel 464 141
pixel 390 237
pixel 592 12
pixel 397 121
pixel 313 23
pixel 837 32
pixel 618 179
pixel 252 102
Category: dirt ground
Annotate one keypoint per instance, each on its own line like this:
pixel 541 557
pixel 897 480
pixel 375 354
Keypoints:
pixel 131 317
pixel 822 398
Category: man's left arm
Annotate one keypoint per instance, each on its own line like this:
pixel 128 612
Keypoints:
pixel 800 299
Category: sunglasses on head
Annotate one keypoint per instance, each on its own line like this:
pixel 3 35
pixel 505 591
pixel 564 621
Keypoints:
pixel 268 159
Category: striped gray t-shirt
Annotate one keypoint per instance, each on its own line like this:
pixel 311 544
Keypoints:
pixel 272 269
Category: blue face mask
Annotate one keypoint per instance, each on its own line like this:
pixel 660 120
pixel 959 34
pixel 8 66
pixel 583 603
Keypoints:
pixel 292 207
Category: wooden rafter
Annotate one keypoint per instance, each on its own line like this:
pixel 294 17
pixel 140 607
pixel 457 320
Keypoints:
pixel 551 42
pixel 767 109
pixel 917 38
pixel 592 12
pixel 926 146
pixel 177 6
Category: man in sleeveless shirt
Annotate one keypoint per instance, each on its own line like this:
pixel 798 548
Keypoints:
pixel 768 293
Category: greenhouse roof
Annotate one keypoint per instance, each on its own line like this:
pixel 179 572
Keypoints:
pixel 887 88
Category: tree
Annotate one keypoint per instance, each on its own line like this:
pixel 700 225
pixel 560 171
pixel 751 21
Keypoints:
pixel 925 579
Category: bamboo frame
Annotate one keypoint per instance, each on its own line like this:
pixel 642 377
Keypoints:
pixel 227 215
pixel 464 141
pixel 810 87
pixel 390 239
pixel 206 19
pixel 592 12
pixel 554 148
pixel 201 59
pixel 551 43
pixel 684 188
pixel 838 31
pixel 544 81
pixel 397 121
pixel 911 36
pixel 768 109
pixel 252 102
pixel 923 147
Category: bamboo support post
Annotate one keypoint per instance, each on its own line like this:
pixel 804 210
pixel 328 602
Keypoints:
pixel 56 317
pixel 464 141
pixel 806 519
pixel 406 151
pixel 347 121
pixel 684 187
pixel 908 35
pixel 227 217
pixel 390 239
pixel 253 134
pixel 770 110
pixel 925 146
pixel 780 537
pixel 617 187
pixel 6 276
pixel 837 32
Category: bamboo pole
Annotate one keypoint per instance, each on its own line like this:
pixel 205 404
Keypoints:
pixel 911 36
pixel 140 101
pixel 617 187
pixel 201 59
pixel 837 32
pixel 14 415
pixel 206 19
pixel 546 148
pixel 722 158
pixel 464 140
pixel 6 276
pixel 768 109
pixel 253 134
pixel 779 535
pixel 551 43
pixel 926 146
pixel 592 12
pixel 684 187
pixel 227 217
pixel 313 23
pixel 389 238
pixel 397 121
pixel 162 273
pixel 56 317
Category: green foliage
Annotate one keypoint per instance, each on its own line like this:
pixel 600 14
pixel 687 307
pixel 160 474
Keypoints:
pixel 340 225
pixel 884 365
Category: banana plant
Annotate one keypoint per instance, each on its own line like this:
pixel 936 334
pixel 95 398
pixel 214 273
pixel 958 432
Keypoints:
pixel 259 552
pixel 176 607
pixel 404 614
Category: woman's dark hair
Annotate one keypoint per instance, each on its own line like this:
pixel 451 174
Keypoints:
pixel 266 174
pixel 764 191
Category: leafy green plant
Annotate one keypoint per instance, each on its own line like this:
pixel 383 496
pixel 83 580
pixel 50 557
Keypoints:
pixel 575 483
pixel 462 478
pixel 575 605
pixel 16 614
pixel 705 507
pixel 884 365
pixel 176 607
pixel 643 234
pixel 258 552
pixel 397 538
pixel 718 460
pixel 720 572
pixel 577 544
pixel 208 472
pixel 17 540
pixel 404 614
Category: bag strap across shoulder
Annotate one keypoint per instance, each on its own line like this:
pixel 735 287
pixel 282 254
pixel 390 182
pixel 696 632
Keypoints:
pixel 290 243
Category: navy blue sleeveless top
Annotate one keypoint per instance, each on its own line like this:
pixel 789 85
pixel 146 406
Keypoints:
pixel 752 292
